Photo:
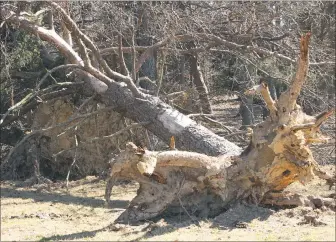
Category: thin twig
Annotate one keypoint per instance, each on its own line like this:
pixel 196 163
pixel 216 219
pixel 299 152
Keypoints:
pixel 123 67
pixel 216 122
pixel 30 96
pixel 73 162
pixel 202 115
pixel 185 210
pixel 83 117
pixel 40 131
pixel 116 133
pixel 105 137
pixel 84 104
pixel 56 69
pixel 134 56
pixel 161 74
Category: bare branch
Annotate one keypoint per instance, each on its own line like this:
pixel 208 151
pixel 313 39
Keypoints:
pixel 41 131
pixel 56 69
pixel 134 72
pixel 301 73
pixel 323 116
pixel 66 34
pixel 26 100
pixel 149 50
pixel 123 67
pixel 161 74
pixel 83 52
pixel 89 141
pixel 116 133
pixel 31 105
pixel 262 88
pixel 71 25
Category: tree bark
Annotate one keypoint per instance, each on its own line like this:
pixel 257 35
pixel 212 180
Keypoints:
pixel 200 85
pixel 246 111
pixel 148 68
pixel 164 121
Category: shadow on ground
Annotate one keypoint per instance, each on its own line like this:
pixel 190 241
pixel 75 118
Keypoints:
pixel 228 220
pixel 240 216
pixel 166 223
pixel 80 235
pixel 61 198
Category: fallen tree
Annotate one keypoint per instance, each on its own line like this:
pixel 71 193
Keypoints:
pixel 119 91
pixel 278 153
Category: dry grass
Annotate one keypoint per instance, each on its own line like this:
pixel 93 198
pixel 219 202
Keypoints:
pixel 80 214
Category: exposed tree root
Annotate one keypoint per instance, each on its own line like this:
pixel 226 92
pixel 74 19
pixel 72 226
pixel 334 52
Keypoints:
pixel 277 156
pixel 289 199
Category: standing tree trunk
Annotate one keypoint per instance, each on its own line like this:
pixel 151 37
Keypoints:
pixel 200 85
pixel 246 111
pixel 148 68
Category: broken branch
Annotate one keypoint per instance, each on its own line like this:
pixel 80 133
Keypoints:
pixel 262 88
pixel 123 67
pixel 301 73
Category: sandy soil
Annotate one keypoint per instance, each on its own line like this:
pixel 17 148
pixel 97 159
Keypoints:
pixel 43 214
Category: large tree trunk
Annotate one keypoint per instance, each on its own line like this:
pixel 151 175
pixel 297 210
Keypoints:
pixel 165 122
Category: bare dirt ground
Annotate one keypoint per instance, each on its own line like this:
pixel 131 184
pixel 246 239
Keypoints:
pixel 81 214
pixel 41 213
